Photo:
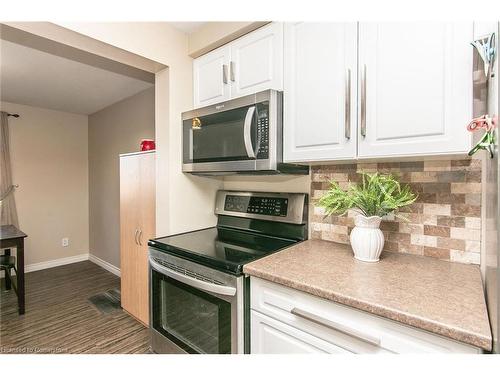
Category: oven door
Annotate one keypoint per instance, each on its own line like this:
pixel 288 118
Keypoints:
pixel 234 136
pixel 192 313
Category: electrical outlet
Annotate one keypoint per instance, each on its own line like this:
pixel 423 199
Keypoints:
pixel 65 242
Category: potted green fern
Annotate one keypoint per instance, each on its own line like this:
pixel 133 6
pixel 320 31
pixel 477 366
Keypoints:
pixel 375 197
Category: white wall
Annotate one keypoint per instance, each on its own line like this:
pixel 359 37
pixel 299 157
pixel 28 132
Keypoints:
pixel 50 164
pixel 183 202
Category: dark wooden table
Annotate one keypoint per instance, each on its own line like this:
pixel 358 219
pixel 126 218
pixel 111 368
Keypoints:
pixel 10 236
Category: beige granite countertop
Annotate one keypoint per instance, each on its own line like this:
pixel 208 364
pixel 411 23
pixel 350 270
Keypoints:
pixel 438 296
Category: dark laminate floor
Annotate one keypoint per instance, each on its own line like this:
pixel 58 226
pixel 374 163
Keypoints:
pixel 59 318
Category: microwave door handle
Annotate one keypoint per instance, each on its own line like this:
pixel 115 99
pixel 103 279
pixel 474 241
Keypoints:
pixel 195 283
pixel 247 128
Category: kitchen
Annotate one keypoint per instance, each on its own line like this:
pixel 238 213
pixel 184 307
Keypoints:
pixel 353 119
pixel 258 230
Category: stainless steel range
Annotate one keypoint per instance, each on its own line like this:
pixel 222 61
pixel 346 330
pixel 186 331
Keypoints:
pixel 198 293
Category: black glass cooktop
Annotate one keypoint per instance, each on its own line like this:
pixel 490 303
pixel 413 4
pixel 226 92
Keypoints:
pixel 221 248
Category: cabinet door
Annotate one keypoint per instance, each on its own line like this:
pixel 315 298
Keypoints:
pixel 270 336
pixel 147 231
pixel 129 227
pixel 257 61
pixel 211 77
pixel 137 225
pixel 320 87
pixel 415 93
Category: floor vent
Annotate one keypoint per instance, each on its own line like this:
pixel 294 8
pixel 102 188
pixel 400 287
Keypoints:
pixel 107 302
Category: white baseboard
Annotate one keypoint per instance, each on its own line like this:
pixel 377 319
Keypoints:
pixel 106 265
pixel 52 263
pixel 68 260
pixel 55 263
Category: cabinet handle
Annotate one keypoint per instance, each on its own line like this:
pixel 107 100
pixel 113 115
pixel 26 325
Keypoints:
pixel 140 237
pixel 336 326
pixel 224 74
pixel 363 101
pixel 347 122
pixel 232 70
pixel 135 236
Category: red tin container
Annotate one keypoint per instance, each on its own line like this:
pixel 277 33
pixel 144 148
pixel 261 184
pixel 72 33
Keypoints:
pixel 147 145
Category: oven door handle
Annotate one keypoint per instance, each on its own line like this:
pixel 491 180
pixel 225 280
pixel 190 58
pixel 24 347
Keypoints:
pixel 195 283
pixel 247 136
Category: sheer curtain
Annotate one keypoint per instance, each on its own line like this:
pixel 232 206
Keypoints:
pixel 7 200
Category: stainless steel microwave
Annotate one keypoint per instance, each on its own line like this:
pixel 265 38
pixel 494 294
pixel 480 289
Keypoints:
pixel 243 135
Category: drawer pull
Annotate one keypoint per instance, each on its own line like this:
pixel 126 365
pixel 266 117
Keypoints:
pixel 336 326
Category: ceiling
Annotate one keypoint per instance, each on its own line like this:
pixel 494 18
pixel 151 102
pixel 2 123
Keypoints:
pixel 187 27
pixel 32 77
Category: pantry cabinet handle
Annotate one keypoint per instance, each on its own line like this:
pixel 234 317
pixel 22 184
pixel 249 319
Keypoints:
pixel 232 71
pixel 135 236
pixel 336 326
pixel 140 237
pixel 363 101
pixel 347 121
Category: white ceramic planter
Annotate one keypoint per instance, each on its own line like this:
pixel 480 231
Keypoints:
pixel 367 240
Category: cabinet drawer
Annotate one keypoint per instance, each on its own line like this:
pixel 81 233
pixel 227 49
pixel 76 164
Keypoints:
pixel 346 327
pixel 270 336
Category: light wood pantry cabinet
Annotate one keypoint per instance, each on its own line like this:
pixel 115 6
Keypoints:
pixel 320 87
pixel 285 321
pixel 415 88
pixel 245 66
pixel 411 90
pixel 137 226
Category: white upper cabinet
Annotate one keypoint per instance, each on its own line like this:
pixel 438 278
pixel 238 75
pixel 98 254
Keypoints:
pixel 353 90
pixel 415 88
pixel 257 61
pixel 320 87
pixel 245 66
pixel 211 77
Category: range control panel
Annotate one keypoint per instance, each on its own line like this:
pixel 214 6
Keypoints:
pixel 270 206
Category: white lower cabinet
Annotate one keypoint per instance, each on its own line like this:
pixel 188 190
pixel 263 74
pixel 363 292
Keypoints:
pixel 274 337
pixel 287 321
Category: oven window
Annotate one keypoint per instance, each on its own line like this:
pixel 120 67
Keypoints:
pixel 220 136
pixel 194 320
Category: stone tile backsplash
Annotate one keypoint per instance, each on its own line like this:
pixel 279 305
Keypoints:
pixel 444 222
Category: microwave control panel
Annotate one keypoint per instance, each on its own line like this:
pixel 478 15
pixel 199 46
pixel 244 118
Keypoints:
pixel 263 133
pixel 269 206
